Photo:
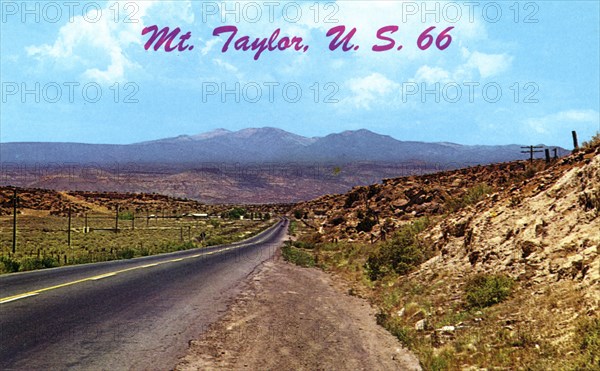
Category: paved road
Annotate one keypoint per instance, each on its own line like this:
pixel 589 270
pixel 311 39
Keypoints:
pixel 134 314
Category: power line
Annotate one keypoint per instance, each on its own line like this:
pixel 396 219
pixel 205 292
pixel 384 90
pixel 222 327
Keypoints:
pixel 532 150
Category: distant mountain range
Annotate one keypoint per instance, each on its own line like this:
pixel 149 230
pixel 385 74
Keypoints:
pixel 262 145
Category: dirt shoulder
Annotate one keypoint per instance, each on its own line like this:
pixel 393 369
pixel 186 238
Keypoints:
pixel 293 318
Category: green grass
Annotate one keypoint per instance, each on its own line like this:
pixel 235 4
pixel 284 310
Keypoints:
pixel 126 215
pixel 42 240
pixel 471 197
pixel 587 336
pixel 292 228
pixel 401 254
pixel 486 290
pixel 297 256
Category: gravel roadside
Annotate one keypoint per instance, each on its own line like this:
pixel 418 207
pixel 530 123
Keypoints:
pixel 293 318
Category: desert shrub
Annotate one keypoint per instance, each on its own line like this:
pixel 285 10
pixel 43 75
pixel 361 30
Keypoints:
pixel 590 200
pixel 235 213
pixel 477 193
pixel 304 244
pixel 484 290
pixel 126 215
pixel 29 264
pixel 297 256
pixel 351 199
pixel 216 240
pixel 366 224
pixel 126 253
pixel 175 246
pixel 292 228
pixel 533 169
pixel 437 361
pixel 400 254
pixel 81 260
pixel 8 265
pixel 471 197
pixel 593 142
pixel 372 191
pixel 395 327
pixel 587 336
pixel 338 220
pixel 298 214
pixel 187 245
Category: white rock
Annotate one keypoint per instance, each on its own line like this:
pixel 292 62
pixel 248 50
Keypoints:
pixel 421 324
pixel 447 329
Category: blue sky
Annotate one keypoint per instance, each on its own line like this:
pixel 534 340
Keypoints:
pixel 544 59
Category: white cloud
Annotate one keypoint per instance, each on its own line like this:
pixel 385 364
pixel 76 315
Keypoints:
pixel 432 74
pixel 227 66
pixel 565 120
pixel 99 48
pixel 489 64
pixel 473 64
pixel 456 63
pixel 370 89
pixel 209 45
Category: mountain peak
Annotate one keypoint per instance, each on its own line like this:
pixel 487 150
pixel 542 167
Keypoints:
pixel 211 134
pixel 359 132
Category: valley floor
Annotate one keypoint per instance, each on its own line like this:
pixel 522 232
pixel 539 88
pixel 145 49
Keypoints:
pixel 293 318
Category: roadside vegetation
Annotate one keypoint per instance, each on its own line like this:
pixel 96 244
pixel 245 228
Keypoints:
pixel 297 252
pixel 471 197
pixel 42 241
pixel 401 254
pixel 593 142
pixel 297 255
pixel 452 321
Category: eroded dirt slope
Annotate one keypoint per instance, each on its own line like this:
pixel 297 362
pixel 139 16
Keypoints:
pixel 292 318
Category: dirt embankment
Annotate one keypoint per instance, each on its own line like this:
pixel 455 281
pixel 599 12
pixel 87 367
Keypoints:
pixel 292 318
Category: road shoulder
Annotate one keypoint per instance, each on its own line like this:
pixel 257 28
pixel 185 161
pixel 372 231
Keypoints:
pixel 288 317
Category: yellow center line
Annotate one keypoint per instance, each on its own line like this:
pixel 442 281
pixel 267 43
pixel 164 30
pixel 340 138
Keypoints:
pixel 110 274
pixel 16 297
pixel 103 276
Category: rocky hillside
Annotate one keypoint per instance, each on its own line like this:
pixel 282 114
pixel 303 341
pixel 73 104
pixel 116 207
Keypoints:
pixel 542 230
pixel 373 211
pixel 492 266
pixel 36 201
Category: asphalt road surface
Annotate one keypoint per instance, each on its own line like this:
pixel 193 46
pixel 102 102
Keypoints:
pixel 130 314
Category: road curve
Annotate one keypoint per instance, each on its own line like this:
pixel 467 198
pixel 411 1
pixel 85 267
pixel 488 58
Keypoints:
pixel 132 314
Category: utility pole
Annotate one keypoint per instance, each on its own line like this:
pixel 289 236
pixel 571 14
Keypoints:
pixel 117 219
pixel 575 142
pixel 69 229
pixel 14 241
pixel 531 150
